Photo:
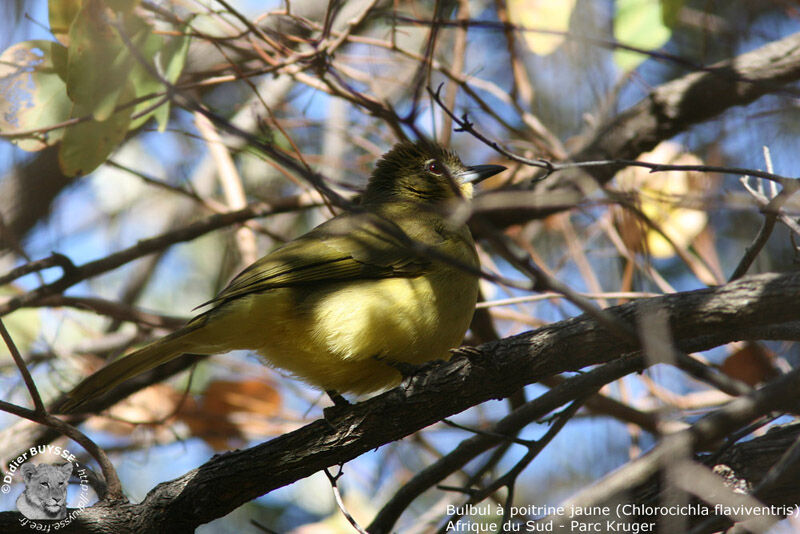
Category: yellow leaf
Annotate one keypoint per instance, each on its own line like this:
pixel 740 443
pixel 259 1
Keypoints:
pixel 659 195
pixel 682 226
pixel 541 15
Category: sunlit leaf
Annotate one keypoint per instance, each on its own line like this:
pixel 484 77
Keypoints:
pixel 61 14
pixel 98 61
pixel 173 60
pixel 659 196
pixel 34 95
pixel 544 15
pixel 680 224
pixel 638 23
pixel 87 144
pixel 149 44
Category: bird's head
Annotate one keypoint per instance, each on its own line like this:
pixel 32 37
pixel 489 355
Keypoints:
pixel 425 173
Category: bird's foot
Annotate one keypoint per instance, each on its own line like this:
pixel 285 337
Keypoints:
pixel 339 405
pixel 406 370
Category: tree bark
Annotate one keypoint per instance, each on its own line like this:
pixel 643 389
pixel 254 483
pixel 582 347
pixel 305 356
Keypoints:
pixel 755 307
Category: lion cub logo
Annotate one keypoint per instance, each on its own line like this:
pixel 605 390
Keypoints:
pixel 45 495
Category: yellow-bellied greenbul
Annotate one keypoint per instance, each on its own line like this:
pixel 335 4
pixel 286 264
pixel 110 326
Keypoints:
pixel 338 305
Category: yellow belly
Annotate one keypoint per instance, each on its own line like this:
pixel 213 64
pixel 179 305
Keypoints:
pixel 340 336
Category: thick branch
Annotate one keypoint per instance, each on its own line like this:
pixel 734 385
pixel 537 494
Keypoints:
pixel 746 309
pixel 668 110
pixel 740 466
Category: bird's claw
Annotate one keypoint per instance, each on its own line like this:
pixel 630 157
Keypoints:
pixel 469 352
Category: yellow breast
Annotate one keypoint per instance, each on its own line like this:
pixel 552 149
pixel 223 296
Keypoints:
pixel 341 336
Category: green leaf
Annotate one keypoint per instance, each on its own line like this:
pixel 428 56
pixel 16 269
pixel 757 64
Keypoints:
pixel 173 61
pixel 34 95
pixel 86 145
pixel 105 70
pixel 98 61
pixel 61 15
pixel 143 82
pixel 122 5
pixel 169 58
pixel 670 9
pixel 638 23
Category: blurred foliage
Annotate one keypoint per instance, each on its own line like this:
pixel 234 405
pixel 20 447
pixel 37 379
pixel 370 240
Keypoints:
pixel 89 82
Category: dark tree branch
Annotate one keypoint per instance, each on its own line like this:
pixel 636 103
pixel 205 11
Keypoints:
pixel 697 97
pixel 148 246
pixel 666 111
pixel 470 448
pixel 779 395
pixel 743 466
pixel 744 309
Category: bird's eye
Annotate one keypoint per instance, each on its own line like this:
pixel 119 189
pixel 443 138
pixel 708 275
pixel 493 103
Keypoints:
pixel 434 167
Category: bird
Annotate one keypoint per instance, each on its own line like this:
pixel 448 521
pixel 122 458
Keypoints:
pixel 343 307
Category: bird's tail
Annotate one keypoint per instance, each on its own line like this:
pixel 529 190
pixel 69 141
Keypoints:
pixel 135 363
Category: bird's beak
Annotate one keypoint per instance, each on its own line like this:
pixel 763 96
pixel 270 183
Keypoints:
pixel 478 173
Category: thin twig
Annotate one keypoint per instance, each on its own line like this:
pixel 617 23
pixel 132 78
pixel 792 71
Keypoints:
pixel 23 369
pixel 339 502
pixel 771 212
pixel 54 260
pixel 542 281
pixel 627 295
pixel 724 72
pixel 459 52
pixel 468 126
pixel 40 415
pixel 509 478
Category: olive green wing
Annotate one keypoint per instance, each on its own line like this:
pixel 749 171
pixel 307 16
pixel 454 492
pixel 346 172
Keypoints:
pixel 348 247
